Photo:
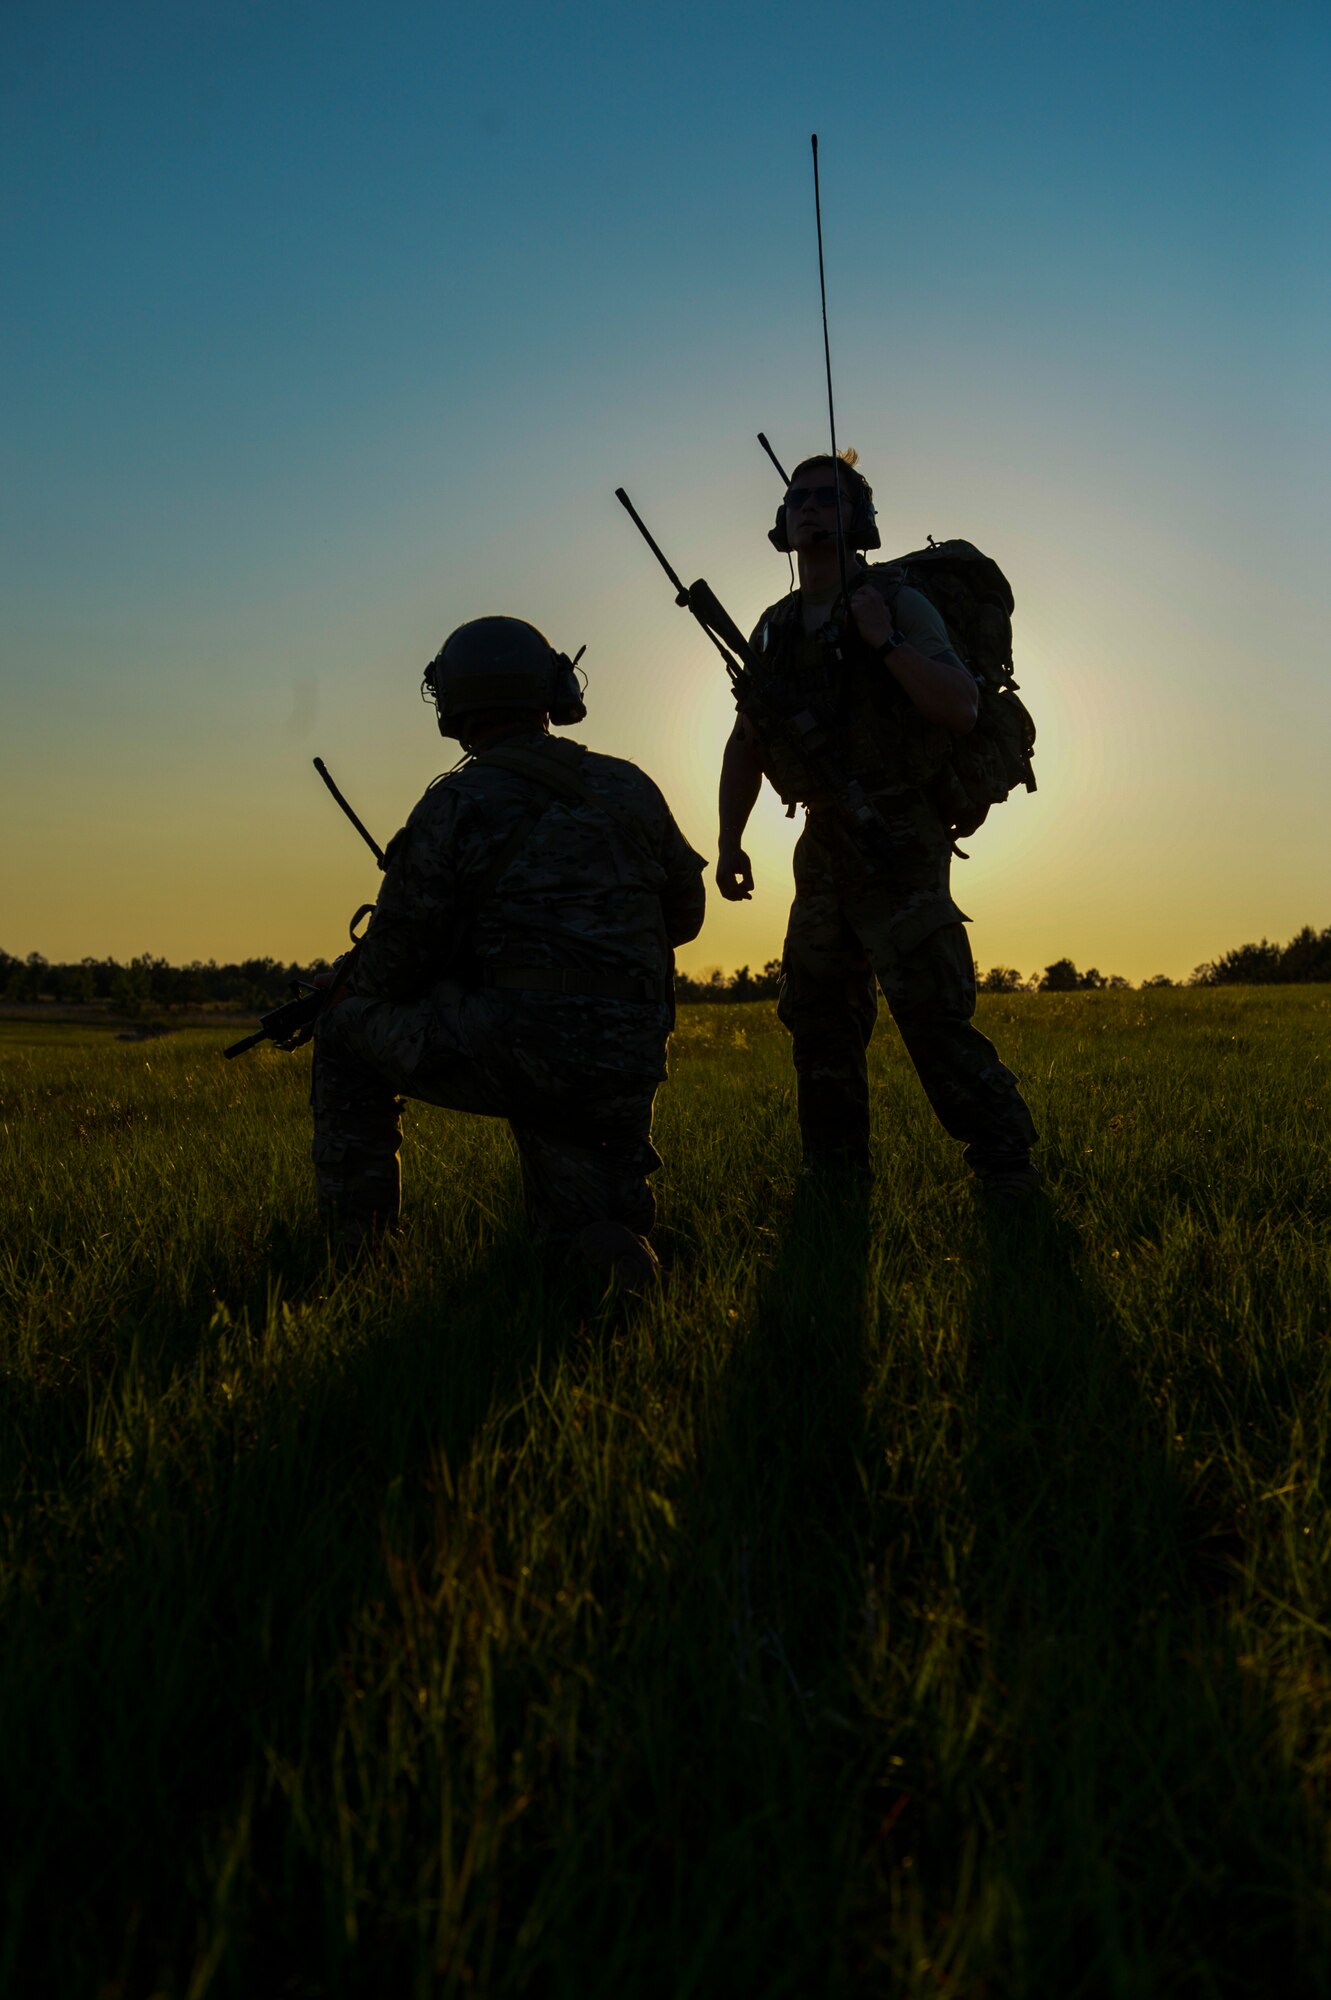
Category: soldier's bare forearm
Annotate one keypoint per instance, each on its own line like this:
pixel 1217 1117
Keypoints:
pixel 943 693
pixel 941 689
pixel 741 781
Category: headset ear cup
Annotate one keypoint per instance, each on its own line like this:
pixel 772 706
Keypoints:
pixel 566 703
pixel 862 530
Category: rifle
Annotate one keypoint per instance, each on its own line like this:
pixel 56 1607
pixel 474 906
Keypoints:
pixel 702 601
pixel 857 815
pixel 291 1025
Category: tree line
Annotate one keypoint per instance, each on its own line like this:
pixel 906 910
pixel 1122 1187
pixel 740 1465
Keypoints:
pixel 253 984
pixel 148 982
pixel 1307 957
pixel 1061 977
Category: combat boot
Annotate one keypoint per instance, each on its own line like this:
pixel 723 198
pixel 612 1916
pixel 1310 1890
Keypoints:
pixel 353 1229
pixel 607 1257
pixel 1011 1184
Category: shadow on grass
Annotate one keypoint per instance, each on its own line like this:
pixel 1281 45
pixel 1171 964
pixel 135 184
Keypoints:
pixel 714 1860
pixel 147 1684
pixel 1152 1841
pixel 1133 1831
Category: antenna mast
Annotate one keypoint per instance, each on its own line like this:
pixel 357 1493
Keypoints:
pixel 827 357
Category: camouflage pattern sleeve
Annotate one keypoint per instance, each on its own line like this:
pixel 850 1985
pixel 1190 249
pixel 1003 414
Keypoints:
pixel 684 895
pixel 412 933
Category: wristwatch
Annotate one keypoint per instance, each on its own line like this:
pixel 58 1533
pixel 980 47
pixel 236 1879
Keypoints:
pixel 890 644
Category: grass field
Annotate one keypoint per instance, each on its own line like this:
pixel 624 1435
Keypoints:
pixel 905 1602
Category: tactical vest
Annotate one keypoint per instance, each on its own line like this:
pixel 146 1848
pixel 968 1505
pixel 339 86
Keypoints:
pixel 877 734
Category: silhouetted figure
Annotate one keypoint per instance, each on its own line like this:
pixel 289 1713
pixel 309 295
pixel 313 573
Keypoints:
pixel 519 963
pixel 888 697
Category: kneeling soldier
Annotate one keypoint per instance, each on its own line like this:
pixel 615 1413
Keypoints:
pixel 519 963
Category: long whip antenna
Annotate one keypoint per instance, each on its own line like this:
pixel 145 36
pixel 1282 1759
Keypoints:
pixel 827 357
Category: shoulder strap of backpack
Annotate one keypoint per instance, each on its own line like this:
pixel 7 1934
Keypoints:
pixel 554 766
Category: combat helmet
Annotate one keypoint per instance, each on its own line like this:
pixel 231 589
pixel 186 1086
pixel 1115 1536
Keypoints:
pixel 499 663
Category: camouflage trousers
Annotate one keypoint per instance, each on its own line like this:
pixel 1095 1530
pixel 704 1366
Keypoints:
pixel 583 1134
pixel 847 937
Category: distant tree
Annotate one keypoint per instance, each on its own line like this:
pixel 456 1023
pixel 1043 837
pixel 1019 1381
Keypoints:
pixel 187 986
pixel 1307 956
pixel 1250 965
pixel 78 983
pixel 1001 979
pixel 131 988
pixel 161 978
pixel 742 985
pixel 1063 977
pixel 1156 979
pixel 19 983
pixel 30 980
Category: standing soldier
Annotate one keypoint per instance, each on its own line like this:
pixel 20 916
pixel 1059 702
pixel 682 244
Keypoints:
pixel 885 697
pixel 519 963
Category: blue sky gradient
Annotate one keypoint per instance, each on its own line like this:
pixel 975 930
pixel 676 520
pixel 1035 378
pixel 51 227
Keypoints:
pixel 331 328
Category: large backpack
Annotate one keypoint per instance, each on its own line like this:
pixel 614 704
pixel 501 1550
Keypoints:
pixel 975 602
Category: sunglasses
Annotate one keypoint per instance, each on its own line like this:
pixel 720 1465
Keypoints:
pixel 821 496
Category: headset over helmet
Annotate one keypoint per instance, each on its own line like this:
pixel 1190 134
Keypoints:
pixel 501 663
pixel 859 515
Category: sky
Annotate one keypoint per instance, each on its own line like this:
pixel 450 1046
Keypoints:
pixel 330 327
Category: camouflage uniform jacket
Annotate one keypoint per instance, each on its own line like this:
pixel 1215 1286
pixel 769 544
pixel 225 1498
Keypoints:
pixel 598 889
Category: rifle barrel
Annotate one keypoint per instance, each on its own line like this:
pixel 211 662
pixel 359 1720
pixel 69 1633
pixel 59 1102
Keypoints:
pixel 652 543
pixel 250 1042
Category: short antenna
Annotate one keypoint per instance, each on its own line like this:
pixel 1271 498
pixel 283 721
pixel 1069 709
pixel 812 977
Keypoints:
pixel 827 357
pixel 781 470
pixel 356 821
